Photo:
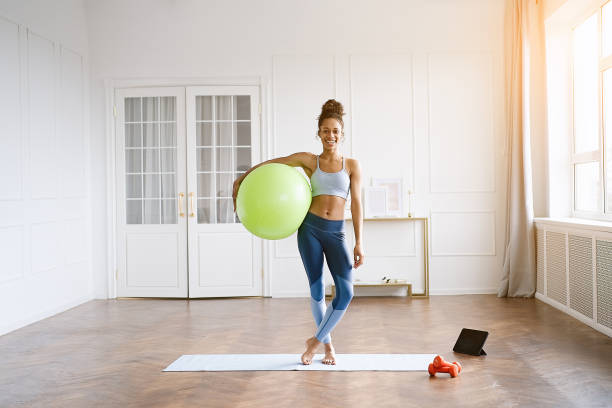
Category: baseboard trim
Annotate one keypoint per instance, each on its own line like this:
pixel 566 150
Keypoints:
pixel 35 317
pixel 437 292
pixel 578 316
pixel 450 292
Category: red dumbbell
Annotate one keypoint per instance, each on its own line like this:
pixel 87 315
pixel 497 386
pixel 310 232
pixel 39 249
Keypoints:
pixel 439 365
pixel 440 362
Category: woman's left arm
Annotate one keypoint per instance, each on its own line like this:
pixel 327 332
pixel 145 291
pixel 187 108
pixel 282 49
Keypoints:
pixel 356 211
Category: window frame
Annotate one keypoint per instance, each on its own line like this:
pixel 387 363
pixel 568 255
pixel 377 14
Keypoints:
pixel 598 155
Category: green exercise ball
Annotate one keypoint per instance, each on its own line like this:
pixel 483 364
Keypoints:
pixel 273 200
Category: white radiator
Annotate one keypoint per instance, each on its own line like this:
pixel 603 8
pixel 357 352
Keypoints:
pixel 574 272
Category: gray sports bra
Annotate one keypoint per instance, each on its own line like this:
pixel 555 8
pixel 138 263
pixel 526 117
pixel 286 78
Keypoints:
pixel 336 184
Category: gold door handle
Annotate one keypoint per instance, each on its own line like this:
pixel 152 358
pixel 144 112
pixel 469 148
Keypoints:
pixel 181 213
pixel 191 212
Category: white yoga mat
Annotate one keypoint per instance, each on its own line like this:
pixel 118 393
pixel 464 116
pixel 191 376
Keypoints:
pixel 285 362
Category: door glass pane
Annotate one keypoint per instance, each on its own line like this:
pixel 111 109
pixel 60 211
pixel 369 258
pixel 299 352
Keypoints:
pixel 168 188
pixel 228 133
pixel 133 135
pixel 243 158
pixel 167 134
pixel 133 186
pixel 133 110
pixel 151 186
pixel 169 212
pixel 204 134
pixel 134 212
pixel 203 107
pixel 205 185
pixel 167 108
pixel 204 159
pixel 147 134
pixel 224 134
pixel 586 72
pixel 224 184
pixel 133 160
pixel 243 107
pixel 225 210
pixel 587 184
pixel 150 109
pixel 243 134
pixel 204 211
pixel 223 107
pixel 606 30
pixel 152 211
pixel 168 160
pixel 224 159
pixel 150 134
pixel 151 160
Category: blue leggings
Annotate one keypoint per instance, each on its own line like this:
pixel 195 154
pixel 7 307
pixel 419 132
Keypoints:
pixel 318 236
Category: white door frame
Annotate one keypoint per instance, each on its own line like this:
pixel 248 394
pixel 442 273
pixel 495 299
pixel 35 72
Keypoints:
pixel 265 85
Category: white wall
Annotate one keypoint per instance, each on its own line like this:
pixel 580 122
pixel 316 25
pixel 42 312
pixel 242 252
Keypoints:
pixel 422 82
pixel 45 219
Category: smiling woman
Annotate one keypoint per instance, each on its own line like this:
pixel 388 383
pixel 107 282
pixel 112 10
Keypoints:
pixel 332 177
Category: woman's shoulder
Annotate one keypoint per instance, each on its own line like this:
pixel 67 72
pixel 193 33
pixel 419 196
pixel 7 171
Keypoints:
pixel 307 160
pixel 351 162
pixel 352 165
pixel 305 155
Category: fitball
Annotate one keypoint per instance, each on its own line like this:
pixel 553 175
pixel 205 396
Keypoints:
pixel 273 200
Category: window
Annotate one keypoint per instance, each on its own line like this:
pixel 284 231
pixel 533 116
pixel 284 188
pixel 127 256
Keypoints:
pixel 223 153
pixel 150 160
pixel 591 155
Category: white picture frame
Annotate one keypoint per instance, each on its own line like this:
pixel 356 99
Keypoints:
pixel 394 204
pixel 375 201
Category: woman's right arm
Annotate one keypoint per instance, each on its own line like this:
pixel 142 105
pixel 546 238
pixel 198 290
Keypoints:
pixel 294 160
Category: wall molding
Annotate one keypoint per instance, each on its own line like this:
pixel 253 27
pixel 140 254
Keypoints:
pixel 493 238
pixel 492 87
pixel 22 229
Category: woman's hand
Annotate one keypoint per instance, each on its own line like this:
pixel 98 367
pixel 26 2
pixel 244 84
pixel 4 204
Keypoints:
pixel 357 256
pixel 235 190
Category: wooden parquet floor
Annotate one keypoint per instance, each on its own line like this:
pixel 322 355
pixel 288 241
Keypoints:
pixel 111 353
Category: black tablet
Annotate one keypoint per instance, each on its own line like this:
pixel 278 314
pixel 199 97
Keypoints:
pixel 471 342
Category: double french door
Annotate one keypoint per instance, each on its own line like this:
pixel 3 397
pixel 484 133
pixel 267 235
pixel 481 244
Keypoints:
pixel 178 151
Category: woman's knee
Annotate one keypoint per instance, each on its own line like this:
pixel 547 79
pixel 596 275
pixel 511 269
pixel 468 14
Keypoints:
pixel 317 290
pixel 344 296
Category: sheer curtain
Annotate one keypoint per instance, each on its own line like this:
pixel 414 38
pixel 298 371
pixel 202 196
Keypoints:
pixel 525 85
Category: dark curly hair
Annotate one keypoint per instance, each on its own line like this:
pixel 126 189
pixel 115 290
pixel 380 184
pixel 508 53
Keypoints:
pixel 331 109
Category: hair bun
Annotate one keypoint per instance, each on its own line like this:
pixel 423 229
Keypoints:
pixel 333 106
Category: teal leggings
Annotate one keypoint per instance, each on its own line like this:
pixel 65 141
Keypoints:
pixel 317 237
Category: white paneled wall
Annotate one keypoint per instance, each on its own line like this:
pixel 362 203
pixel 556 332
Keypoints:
pixel 457 153
pixel 44 196
pixel 382 116
pixel 461 116
pixel 10 110
pixel 423 91
pixel 300 86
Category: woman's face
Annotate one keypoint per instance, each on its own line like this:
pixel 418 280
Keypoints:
pixel 331 134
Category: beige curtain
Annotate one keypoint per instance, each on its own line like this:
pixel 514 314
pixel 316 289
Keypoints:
pixel 525 86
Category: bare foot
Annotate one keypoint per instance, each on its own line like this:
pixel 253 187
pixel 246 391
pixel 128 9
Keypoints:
pixel 330 355
pixel 311 346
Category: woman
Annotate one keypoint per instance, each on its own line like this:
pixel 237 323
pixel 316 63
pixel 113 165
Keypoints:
pixel 332 177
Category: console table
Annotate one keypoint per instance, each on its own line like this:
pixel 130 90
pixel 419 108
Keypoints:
pixel 425 293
